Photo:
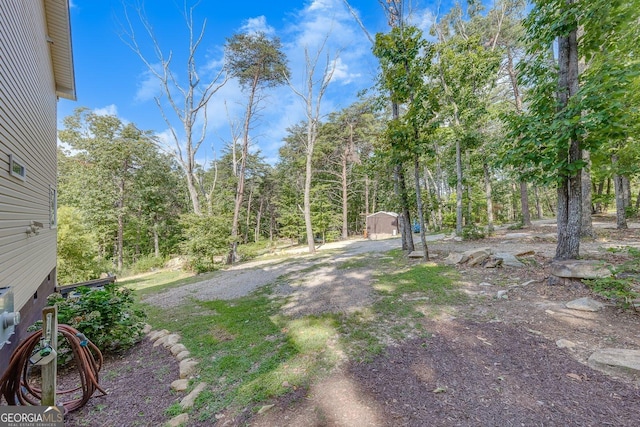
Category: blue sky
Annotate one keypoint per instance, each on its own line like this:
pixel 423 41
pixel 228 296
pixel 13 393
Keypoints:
pixel 111 78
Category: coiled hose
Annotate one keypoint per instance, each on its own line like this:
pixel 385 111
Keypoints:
pixel 16 388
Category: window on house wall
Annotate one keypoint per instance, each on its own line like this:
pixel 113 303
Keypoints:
pixel 17 168
pixel 53 207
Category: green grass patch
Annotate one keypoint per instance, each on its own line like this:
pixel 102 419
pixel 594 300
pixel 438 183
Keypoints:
pixel 155 282
pixel 247 351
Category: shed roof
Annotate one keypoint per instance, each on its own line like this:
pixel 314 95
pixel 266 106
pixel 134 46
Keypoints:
pixel 59 37
pixel 393 214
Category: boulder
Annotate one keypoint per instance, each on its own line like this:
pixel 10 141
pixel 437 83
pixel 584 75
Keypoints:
pixel 509 260
pixel 617 361
pixel 475 254
pixel 416 254
pixel 580 269
pixel 585 304
pixel 453 258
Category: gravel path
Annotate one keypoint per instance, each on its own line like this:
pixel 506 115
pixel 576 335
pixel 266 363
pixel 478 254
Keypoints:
pixel 241 280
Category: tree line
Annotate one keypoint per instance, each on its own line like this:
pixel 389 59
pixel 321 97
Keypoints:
pixel 495 115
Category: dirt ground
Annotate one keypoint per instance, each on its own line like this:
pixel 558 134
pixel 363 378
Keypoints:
pixel 489 362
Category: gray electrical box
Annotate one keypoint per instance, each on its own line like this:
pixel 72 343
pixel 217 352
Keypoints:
pixel 8 318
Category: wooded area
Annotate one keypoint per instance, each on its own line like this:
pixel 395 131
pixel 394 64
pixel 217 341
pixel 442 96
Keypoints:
pixel 496 116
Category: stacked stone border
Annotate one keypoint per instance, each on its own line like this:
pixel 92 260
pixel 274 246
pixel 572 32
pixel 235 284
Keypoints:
pixel 188 366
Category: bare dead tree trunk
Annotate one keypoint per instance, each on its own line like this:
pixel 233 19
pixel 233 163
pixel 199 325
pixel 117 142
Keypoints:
pixel 156 241
pixel 256 235
pixel 188 102
pixel 312 95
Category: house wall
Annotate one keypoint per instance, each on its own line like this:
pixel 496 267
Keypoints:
pixel 27 131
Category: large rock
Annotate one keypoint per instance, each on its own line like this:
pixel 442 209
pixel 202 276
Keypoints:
pixel 180 385
pixel 453 258
pixel 617 361
pixel 580 269
pixel 509 260
pixel 585 304
pixel 472 256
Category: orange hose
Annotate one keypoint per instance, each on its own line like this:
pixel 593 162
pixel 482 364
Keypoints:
pixel 15 386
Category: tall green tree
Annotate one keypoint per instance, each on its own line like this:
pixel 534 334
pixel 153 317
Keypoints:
pixel 258 63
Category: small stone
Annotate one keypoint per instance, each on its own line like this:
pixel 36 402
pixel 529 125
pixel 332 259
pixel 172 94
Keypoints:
pixel 502 294
pixel 158 334
pixel 285 384
pixel 180 385
pixel 182 355
pixel 485 284
pixel 562 343
pixel 171 340
pixel 416 254
pixel 187 367
pixel 147 329
pixel 188 401
pixel 177 349
pixel 585 304
pixel 264 409
pixel 178 420
pixel 528 282
pixel 160 341
pixel 219 416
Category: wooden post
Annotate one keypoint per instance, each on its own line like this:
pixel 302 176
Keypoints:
pixel 50 370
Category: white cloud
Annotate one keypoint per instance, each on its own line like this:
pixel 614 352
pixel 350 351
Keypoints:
pixel 109 110
pixel 257 25
pixel 341 72
pixel 148 87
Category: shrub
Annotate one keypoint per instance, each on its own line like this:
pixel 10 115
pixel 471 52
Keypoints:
pixel 472 232
pixel 147 263
pixel 205 239
pixel 106 316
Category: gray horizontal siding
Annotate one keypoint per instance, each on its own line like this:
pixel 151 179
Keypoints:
pixel 28 131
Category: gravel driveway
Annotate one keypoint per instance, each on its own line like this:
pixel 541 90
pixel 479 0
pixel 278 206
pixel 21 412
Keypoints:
pixel 242 279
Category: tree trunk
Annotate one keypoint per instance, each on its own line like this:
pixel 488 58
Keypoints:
pixel 586 227
pixel 193 192
pixel 233 246
pixel 536 192
pixel 621 218
pixel 120 232
pixel 487 189
pixel 458 188
pixel 405 222
pixel 256 235
pixel 626 187
pixel 423 236
pixel 524 204
pixel 156 241
pixel 570 187
pixel 345 199
pixel 246 231
pixel 599 191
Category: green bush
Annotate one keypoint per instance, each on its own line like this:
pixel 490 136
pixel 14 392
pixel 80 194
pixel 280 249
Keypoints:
pixel 622 287
pixel 472 232
pixel 146 263
pixel 106 316
pixel 205 239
